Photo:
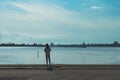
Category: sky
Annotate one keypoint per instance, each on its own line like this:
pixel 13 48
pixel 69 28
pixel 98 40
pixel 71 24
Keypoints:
pixel 59 21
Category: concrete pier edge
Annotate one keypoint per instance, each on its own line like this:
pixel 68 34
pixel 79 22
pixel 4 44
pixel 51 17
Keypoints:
pixel 65 66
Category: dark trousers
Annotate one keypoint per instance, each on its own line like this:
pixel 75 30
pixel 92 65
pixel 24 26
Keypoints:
pixel 48 61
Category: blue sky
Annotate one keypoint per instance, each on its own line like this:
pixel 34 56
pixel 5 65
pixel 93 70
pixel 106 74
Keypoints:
pixel 60 21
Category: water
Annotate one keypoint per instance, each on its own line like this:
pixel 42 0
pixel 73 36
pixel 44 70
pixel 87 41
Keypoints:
pixel 29 55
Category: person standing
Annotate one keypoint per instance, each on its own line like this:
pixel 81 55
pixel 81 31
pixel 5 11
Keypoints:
pixel 47 51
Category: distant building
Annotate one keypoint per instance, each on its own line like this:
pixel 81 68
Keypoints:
pixel 116 43
pixel 83 43
pixel 52 44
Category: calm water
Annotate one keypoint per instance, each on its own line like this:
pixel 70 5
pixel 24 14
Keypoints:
pixel 29 55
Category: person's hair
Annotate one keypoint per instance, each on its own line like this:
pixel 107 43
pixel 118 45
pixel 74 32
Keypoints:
pixel 47 46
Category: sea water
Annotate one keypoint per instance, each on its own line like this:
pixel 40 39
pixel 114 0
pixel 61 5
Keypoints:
pixel 60 55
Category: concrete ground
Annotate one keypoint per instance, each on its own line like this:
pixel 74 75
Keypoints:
pixel 60 72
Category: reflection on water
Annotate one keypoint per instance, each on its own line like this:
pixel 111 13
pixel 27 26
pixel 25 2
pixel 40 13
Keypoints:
pixel 29 55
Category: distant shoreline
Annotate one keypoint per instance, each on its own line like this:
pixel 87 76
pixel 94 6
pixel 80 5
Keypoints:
pixel 84 45
pixel 57 46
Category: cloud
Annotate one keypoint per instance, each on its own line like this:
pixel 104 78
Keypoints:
pixel 50 13
pixel 38 21
pixel 96 7
pixel 49 22
pixel 42 11
pixel 50 16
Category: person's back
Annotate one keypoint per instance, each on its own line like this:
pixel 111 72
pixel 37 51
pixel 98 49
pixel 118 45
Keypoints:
pixel 47 51
pixel 47 54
